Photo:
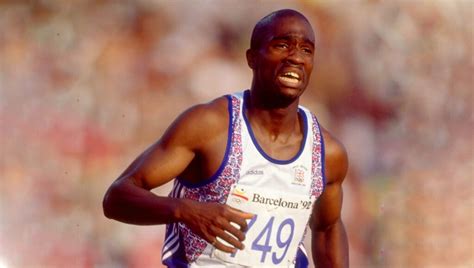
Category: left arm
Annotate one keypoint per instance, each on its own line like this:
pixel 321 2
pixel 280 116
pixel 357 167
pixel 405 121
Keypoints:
pixel 329 240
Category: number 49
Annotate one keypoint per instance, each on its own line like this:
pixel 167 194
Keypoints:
pixel 262 241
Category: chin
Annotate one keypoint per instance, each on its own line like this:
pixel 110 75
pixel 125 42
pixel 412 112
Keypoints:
pixel 291 93
pixel 284 96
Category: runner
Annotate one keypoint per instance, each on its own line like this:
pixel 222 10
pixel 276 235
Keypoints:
pixel 251 169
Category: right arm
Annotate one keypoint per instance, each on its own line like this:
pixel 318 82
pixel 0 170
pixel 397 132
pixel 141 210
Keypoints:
pixel 130 200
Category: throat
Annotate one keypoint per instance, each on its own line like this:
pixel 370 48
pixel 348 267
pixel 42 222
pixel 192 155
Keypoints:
pixel 278 133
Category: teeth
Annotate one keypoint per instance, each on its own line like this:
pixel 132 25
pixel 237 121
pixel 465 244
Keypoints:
pixel 289 79
pixel 292 75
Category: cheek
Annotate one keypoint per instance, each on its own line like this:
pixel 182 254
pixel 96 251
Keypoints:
pixel 268 68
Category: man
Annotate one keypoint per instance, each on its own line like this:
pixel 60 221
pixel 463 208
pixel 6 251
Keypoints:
pixel 252 169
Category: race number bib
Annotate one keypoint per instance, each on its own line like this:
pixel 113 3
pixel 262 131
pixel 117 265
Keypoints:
pixel 276 230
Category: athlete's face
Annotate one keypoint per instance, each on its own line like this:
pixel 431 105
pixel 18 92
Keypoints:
pixel 283 63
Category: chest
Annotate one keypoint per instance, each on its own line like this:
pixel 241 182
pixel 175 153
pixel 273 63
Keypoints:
pixel 292 175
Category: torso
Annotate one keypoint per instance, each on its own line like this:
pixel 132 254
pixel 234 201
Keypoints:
pixel 222 169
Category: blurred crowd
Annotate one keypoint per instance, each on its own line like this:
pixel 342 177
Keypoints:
pixel 87 85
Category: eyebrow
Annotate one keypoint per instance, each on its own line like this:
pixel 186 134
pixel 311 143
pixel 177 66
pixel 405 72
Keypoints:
pixel 291 36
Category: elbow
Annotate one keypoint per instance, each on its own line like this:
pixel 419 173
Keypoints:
pixel 325 225
pixel 109 203
pixel 106 206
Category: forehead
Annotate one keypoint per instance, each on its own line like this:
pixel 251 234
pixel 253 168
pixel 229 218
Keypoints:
pixel 289 26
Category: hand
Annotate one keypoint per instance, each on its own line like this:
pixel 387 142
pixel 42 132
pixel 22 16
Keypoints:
pixel 213 220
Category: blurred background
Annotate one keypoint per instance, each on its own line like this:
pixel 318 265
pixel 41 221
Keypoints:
pixel 85 86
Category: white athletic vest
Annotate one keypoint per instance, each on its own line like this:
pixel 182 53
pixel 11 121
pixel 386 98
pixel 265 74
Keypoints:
pixel 280 193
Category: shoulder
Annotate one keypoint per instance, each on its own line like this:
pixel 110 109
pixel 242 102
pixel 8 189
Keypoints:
pixel 336 160
pixel 199 123
pixel 210 114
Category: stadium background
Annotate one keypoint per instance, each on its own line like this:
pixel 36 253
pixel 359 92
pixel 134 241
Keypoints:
pixel 86 85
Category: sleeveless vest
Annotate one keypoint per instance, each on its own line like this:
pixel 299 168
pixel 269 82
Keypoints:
pixel 245 163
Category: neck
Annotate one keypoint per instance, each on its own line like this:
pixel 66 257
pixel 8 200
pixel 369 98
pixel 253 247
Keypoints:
pixel 272 120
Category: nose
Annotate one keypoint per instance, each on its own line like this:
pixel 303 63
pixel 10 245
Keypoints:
pixel 295 57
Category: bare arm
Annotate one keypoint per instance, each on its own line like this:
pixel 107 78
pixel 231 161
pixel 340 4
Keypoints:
pixel 130 200
pixel 329 239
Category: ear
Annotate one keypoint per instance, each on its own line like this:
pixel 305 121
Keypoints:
pixel 251 58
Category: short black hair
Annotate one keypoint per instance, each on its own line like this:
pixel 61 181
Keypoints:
pixel 263 24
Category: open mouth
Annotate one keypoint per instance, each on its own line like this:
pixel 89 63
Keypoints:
pixel 290 79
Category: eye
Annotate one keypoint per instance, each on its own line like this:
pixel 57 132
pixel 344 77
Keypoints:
pixel 307 50
pixel 281 45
